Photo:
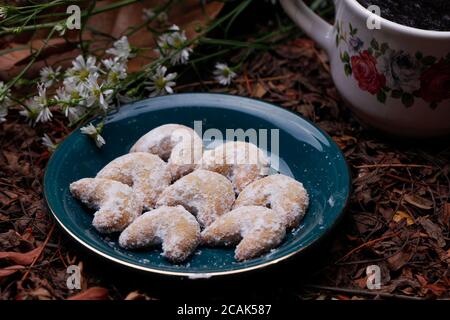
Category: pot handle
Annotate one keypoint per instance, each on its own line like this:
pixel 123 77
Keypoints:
pixel 313 25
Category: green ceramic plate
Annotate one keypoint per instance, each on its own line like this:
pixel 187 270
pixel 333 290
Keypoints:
pixel 306 153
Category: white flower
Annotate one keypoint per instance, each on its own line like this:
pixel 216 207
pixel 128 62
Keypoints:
pixel 81 70
pixel 161 83
pixel 149 14
pixel 164 44
pixel 5 102
pixel 173 44
pixel 223 74
pixel 31 112
pixel 121 49
pixel 41 101
pixel 72 93
pixel 73 113
pixel 48 143
pixel 48 75
pixel 44 115
pixel 70 103
pixel 89 130
pixel 116 68
pixel 97 93
pixel 94 133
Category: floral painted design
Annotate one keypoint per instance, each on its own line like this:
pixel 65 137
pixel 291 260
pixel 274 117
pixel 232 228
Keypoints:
pixel 364 67
pixel 396 74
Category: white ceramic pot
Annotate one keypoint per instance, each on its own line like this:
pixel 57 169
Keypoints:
pixel 395 78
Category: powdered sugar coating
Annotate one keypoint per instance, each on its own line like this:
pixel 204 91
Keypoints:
pixel 205 194
pixel 173 227
pixel 255 229
pixel 241 162
pixel 179 145
pixel 116 203
pixel 281 193
pixel 146 173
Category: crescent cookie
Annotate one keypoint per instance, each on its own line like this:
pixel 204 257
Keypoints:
pixel 281 193
pixel 116 203
pixel 173 227
pixel 179 145
pixel 254 229
pixel 241 162
pixel 146 173
pixel 205 194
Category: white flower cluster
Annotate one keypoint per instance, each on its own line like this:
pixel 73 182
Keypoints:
pixel 173 44
pixel 86 85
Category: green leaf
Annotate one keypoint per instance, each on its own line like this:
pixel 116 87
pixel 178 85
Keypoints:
pixel 350 26
pixel 407 99
pixel 428 60
pixel 384 47
pixel 337 40
pixel 348 70
pixel 381 96
pixel 396 94
pixel 374 44
pixel 346 57
pixel 370 51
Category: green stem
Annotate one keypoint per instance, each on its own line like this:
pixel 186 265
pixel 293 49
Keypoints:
pixel 113 6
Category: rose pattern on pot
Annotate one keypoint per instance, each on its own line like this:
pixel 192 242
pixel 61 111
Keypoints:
pixel 393 74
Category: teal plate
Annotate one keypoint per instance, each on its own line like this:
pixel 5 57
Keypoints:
pixel 305 152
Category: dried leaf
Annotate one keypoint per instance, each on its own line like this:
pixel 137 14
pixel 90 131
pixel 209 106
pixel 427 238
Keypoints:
pixel 400 215
pixel 7 271
pixel 422 280
pixel 446 214
pixel 94 293
pixel 136 295
pixel 419 201
pixel 438 290
pixel 361 282
pixel 398 260
pixel 259 91
pixel 21 258
pixel 433 230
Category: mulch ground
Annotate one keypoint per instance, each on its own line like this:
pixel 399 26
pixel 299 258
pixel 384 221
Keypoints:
pixel 398 217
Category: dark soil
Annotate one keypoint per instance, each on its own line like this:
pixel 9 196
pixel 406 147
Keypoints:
pixel 421 14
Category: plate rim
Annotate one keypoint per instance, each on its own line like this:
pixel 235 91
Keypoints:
pixel 200 275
